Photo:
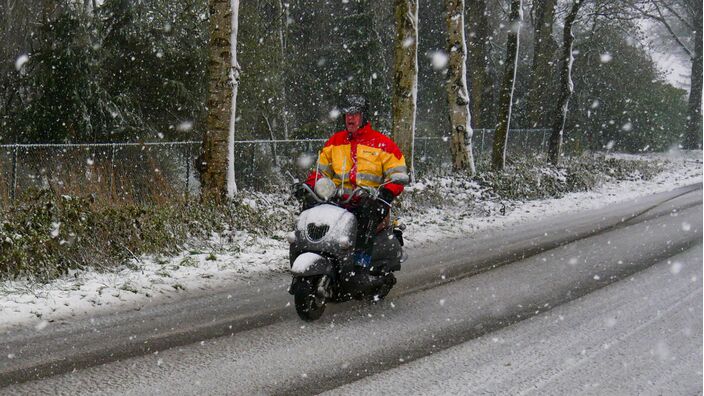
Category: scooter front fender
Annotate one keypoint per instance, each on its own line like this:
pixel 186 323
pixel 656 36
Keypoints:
pixel 311 264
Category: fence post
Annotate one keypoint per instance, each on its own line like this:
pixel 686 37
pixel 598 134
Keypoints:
pixel 252 162
pixel 188 171
pixel 481 149
pixel 112 170
pixel 14 172
pixel 542 142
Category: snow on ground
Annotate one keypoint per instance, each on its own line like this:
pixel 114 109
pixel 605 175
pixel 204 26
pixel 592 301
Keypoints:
pixel 222 262
pixel 680 170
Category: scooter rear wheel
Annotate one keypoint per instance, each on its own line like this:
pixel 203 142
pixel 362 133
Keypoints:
pixel 309 305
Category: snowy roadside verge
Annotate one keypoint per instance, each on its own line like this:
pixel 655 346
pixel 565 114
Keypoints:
pixel 221 264
pixel 679 170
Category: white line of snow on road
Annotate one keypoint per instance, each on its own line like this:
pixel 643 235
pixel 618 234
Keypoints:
pixel 155 279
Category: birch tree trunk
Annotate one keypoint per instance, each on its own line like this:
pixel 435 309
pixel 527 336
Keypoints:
pixel 498 158
pixel 282 10
pixel 693 135
pixel 457 94
pixel 540 89
pixel 218 172
pixel 481 72
pixel 405 84
pixel 566 87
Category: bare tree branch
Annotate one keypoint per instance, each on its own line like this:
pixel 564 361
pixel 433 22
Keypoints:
pixel 665 23
pixel 677 15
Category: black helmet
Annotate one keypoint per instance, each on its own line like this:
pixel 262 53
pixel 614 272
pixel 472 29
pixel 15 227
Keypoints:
pixel 354 103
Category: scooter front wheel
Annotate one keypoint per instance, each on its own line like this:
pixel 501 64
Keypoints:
pixel 309 305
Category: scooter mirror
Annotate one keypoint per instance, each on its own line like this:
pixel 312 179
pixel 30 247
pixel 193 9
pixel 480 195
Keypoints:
pixel 325 188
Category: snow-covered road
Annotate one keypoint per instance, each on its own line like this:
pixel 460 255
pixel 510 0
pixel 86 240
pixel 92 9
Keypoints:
pixel 612 304
pixel 637 336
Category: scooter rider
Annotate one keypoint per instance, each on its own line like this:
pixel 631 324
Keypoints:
pixel 362 156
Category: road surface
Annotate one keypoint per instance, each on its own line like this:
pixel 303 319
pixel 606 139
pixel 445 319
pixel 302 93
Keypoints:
pixel 605 302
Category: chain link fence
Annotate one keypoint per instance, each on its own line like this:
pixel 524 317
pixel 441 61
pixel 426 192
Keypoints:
pixel 162 170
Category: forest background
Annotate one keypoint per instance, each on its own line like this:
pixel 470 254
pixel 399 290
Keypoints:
pixel 137 70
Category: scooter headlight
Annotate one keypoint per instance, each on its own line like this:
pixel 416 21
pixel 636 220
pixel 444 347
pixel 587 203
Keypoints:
pixel 325 188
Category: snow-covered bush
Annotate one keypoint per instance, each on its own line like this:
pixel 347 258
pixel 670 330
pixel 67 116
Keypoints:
pixel 46 235
pixel 531 178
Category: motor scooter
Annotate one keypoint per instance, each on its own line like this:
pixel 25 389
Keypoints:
pixel 322 249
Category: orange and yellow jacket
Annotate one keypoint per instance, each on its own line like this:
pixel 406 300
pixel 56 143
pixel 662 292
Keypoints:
pixel 364 158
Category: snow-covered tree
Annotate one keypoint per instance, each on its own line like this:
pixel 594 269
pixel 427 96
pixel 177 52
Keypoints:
pixel 542 71
pixel 566 86
pixel 457 94
pixel 506 96
pixel 405 81
pixel 217 176
pixel 682 19
pixel 482 74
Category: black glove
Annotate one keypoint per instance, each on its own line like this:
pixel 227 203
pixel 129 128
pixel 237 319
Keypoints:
pixel 386 195
pixel 383 208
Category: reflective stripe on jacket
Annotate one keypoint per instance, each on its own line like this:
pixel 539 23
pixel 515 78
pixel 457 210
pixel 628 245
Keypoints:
pixel 364 158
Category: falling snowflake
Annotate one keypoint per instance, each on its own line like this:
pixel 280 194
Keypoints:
pixel 21 61
pixel 305 161
pixel 185 126
pixel 439 60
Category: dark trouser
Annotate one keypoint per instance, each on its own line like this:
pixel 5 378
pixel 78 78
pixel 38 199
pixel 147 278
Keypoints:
pixel 368 219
